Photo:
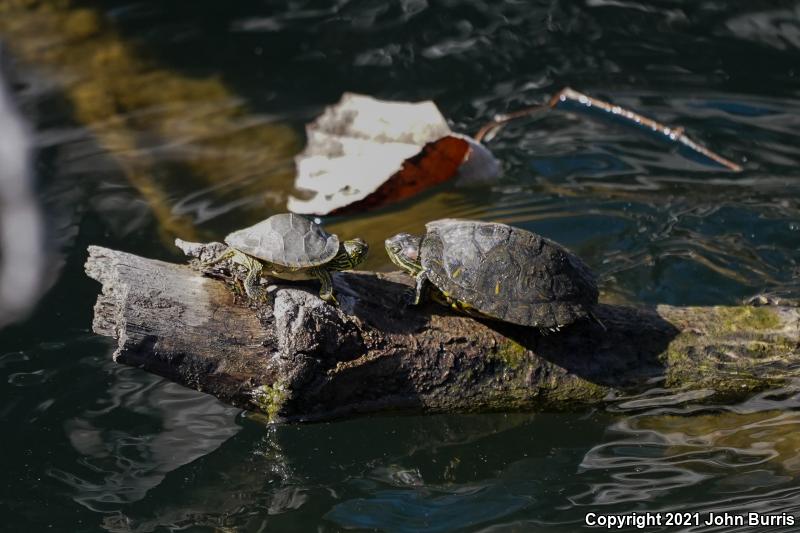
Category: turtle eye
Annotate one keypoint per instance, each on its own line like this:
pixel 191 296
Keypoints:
pixel 393 246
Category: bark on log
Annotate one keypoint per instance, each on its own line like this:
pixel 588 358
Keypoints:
pixel 301 359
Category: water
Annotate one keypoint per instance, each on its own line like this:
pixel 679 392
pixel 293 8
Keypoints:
pixel 155 118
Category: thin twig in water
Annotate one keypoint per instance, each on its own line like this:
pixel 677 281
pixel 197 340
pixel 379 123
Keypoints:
pixel 568 97
pixel 490 129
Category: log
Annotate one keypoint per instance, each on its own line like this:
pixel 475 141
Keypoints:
pixel 300 359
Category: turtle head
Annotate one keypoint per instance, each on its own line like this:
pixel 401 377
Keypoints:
pixel 404 251
pixel 355 251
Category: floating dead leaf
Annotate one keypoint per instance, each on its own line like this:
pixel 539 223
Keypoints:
pixel 436 163
pixel 364 153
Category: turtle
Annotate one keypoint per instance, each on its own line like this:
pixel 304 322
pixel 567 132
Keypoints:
pixel 492 270
pixel 292 247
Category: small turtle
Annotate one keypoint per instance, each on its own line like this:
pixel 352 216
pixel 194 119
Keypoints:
pixel 292 247
pixel 496 271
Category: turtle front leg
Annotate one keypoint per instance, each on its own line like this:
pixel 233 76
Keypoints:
pixel 326 285
pixel 421 289
pixel 252 285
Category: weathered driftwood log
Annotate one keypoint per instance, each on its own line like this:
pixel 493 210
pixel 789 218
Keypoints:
pixel 302 359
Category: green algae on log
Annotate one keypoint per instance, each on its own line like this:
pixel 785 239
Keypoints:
pixel 301 359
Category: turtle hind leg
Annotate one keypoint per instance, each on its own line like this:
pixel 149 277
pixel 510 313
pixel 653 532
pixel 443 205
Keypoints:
pixel 326 285
pixel 222 256
pixel 772 298
pixel 254 268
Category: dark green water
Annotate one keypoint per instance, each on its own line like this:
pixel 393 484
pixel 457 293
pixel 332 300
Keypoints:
pixel 90 446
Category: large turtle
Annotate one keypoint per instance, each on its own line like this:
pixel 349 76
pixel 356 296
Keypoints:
pixel 496 271
pixel 292 247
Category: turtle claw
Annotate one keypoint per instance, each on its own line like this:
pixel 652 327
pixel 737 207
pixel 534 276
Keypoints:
pixel 238 288
pixel 257 295
pixel 266 297
pixel 330 299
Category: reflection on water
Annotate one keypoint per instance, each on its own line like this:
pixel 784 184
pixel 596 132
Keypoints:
pixel 487 473
pixel 738 459
pixel 165 426
pixel 152 119
pixel 167 132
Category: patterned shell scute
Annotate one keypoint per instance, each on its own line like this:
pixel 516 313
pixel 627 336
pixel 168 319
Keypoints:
pixel 508 273
pixel 286 239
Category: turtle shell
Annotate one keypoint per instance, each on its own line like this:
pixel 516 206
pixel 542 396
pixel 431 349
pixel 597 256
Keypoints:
pixel 286 239
pixel 507 273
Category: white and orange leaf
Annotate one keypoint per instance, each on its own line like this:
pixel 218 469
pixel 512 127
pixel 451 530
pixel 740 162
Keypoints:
pixel 364 153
